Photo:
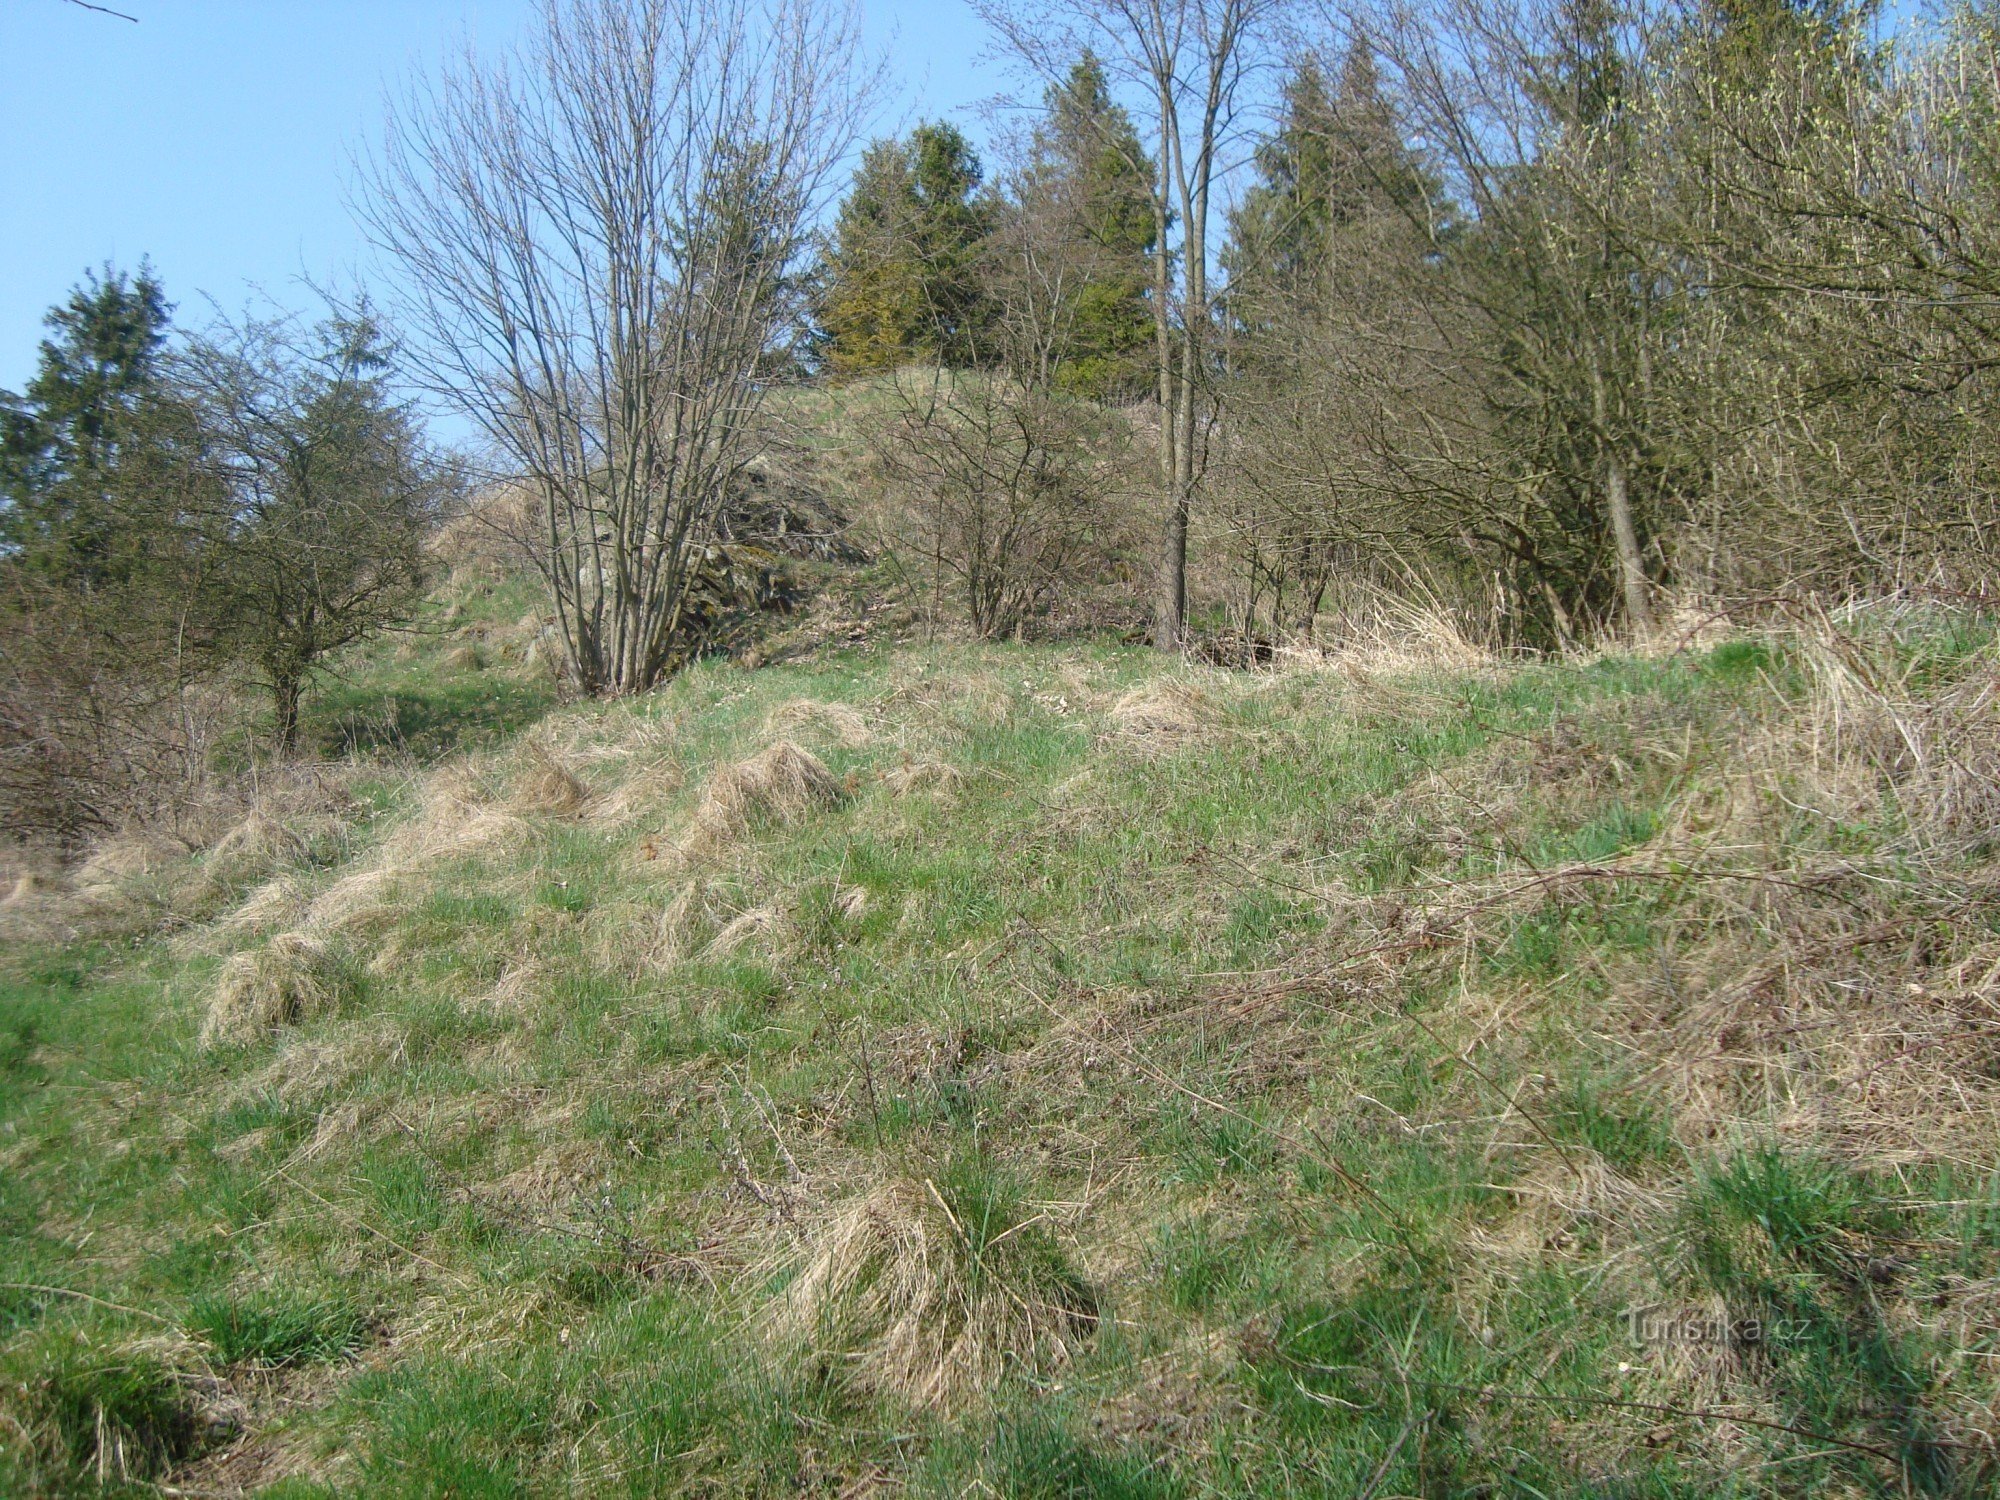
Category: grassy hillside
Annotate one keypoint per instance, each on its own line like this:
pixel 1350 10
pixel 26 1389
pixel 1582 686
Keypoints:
pixel 1037 1071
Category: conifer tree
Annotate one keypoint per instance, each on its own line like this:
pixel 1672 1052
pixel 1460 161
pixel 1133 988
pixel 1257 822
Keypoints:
pixel 64 440
pixel 1090 173
pixel 902 279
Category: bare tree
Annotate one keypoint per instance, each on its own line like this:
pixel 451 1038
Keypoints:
pixel 598 242
pixel 1188 59
pixel 1011 484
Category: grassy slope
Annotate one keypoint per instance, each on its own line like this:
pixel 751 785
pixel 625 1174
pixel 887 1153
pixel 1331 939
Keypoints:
pixel 1318 1067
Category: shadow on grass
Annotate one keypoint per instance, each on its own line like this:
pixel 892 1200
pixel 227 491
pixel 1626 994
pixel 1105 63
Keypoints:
pixel 464 711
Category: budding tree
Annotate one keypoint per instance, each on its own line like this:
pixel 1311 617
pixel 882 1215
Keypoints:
pixel 598 240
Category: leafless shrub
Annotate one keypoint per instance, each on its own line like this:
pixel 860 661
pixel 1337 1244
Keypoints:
pixel 95 734
pixel 599 244
pixel 1007 492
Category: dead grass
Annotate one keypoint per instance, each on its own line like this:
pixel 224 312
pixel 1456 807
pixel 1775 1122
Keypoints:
pixel 903 1297
pixel 912 777
pixel 294 977
pixel 277 902
pixel 459 815
pixel 838 722
pixel 646 787
pixel 775 787
pixel 548 786
pixel 760 924
pixel 1382 634
pixel 1167 715
pixel 124 856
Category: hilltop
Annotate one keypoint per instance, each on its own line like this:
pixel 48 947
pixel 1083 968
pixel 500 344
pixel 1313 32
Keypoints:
pixel 1033 1069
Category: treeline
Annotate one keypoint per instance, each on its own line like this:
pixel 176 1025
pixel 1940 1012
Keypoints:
pixel 1561 314
pixel 1557 311
pixel 177 514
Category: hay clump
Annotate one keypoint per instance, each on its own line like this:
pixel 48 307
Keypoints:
pixel 644 788
pixel 459 815
pixel 278 900
pixel 259 843
pixel 122 857
pixel 759 923
pixel 294 977
pixel 837 721
pixel 930 1292
pixel 775 787
pixel 549 787
pixel 914 776
pixel 1166 715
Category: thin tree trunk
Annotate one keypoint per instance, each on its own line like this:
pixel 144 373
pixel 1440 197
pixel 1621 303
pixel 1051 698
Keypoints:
pixel 286 691
pixel 1170 596
pixel 1625 536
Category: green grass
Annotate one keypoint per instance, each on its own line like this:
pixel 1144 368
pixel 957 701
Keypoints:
pixel 1321 1057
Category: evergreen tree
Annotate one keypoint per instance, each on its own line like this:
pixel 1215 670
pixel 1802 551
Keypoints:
pixel 1090 171
pixel 65 439
pixel 1335 161
pixel 902 279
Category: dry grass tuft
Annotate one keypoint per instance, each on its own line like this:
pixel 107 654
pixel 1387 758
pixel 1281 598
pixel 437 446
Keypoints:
pixel 694 910
pixel 277 901
pixel 914 776
pixel 1385 634
pixel 777 786
pixel 355 900
pixel 763 924
pixel 912 1297
pixel 122 857
pixel 465 659
pixel 836 721
pixel 549 787
pixel 1877 737
pixel 646 786
pixel 260 842
pixel 1166 715
pixel 459 815
pixel 294 977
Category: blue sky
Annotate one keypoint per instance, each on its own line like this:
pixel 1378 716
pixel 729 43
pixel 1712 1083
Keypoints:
pixel 214 135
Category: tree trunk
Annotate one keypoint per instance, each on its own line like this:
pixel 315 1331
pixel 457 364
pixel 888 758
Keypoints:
pixel 286 690
pixel 1170 582
pixel 1625 536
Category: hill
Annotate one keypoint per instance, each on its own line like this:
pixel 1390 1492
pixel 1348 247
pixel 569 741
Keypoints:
pixel 1036 1070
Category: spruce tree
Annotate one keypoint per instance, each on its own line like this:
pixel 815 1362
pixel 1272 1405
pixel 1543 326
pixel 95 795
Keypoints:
pixel 66 439
pixel 1335 162
pixel 902 279
pixel 1090 169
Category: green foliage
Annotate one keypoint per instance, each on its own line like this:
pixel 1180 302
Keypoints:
pixel 115 1415
pixel 901 278
pixel 1090 174
pixel 276 1329
pixel 92 406
pixel 332 491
